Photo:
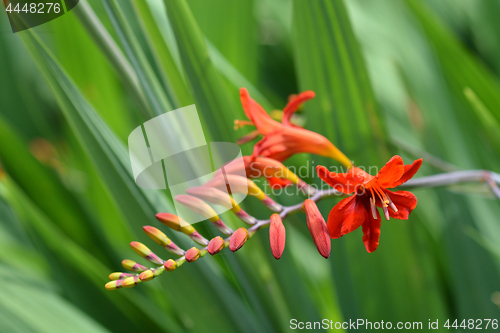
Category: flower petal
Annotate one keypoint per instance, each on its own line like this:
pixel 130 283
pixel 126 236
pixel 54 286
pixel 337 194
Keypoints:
pixel 371 232
pixel 278 183
pixel 346 216
pixel 343 182
pixel 391 172
pixel 294 104
pixel 405 202
pixel 409 171
pixel 257 114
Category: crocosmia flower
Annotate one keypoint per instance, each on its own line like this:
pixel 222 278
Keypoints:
pixel 282 140
pixel 370 192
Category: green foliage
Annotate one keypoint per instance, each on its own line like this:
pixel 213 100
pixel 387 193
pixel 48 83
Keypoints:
pixel 387 75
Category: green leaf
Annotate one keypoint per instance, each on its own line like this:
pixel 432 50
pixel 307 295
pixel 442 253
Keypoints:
pixel 329 62
pixel 214 100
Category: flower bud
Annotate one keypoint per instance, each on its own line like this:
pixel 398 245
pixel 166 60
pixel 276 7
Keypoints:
pixel 202 208
pixel 146 253
pixel 198 206
pixel 175 222
pixel 147 276
pixel 192 254
pixel 218 197
pixel 133 266
pixel 170 265
pixel 216 245
pixel 131 282
pixel 239 184
pixel 162 239
pixel 238 239
pixel 119 276
pixel 277 236
pixel 113 285
pixel 213 195
pixel 156 235
pixel 317 227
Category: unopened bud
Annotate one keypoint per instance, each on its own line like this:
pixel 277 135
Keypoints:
pixel 238 239
pixel 218 197
pixel 192 254
pixel 147 276
pixel 162 239
pixel 317 227
pixel 198 206
pixel 131 282
pixel 175 222
pixel 113 285
pixel 277 236
pixel 146 253
pixel 156 235
pixel 202 208
pixel 216 245
pixel 170 265
pixel 119 276
pixel 133 266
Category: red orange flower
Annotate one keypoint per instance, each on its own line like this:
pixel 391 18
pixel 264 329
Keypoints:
pixel 282 140
pixel 371 192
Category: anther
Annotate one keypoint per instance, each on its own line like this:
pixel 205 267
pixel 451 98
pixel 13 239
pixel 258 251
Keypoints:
pixel 373 208
pixel 386 212
pixel 392 205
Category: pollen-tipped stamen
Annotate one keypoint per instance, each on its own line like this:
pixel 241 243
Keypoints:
pixel 242 123
pixel 386 212
pixel 392 205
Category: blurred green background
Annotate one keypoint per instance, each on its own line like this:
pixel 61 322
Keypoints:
pixel 389 76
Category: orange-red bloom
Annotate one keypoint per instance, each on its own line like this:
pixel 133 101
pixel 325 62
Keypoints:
pixel 282 140
pixel 370 192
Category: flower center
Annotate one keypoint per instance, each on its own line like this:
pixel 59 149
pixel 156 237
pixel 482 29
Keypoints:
pixel 377 191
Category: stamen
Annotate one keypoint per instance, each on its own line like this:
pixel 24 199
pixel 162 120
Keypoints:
pixel 381 196
pixel 386 212
pixel 242 123
pixel 373 208
pixel 392 205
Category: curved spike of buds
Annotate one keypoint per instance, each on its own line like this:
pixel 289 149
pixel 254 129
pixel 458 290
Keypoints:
pixel 131 282
pixel 146 253
pixel 192 254
pixel 277 236
pixel 238 239
pixel 317 227
pixel 161 239
pixel 218 197
pixel 113 285
pixel 133 266
pixel 216 245
pixel 202 208
pixel 178 224
pixel 170 265
pixel 239 184
pixel 119 276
